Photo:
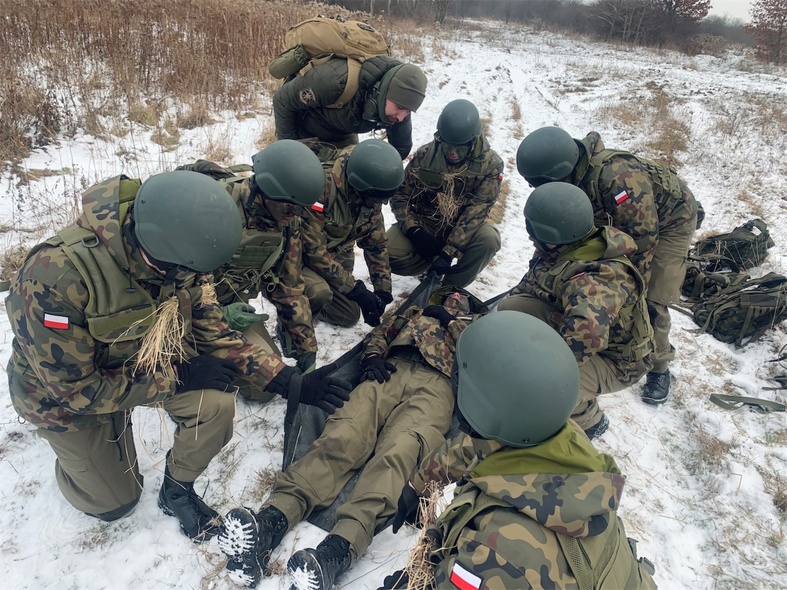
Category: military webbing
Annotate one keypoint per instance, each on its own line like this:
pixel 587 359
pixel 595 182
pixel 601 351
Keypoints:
pixel 733 402
pixel 353 79
pixel 665 177
pixel 118 309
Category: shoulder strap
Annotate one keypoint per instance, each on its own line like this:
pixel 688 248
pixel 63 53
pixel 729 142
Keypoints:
pixel 353 82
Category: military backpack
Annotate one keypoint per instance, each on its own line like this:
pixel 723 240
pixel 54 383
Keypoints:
pixel 316 40
pixel 744 247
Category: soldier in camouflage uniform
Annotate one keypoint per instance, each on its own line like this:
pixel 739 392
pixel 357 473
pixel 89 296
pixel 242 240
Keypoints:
pixel 581 282
pixel 647 200
pixel 118 311
pixel 400 412
pixel 359 180
pixel 441 210
pixel 388 91
pixel 535 504
pixel 287 178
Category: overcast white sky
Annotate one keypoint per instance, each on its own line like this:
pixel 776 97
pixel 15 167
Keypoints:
pixel 735 8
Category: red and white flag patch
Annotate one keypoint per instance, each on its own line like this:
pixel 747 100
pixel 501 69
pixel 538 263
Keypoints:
pixel 620 197
pixel 319 207
pixel 56 322
pixel 464 579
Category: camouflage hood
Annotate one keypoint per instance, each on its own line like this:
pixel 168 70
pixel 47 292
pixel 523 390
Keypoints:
pixel 104 208
pixel 563 484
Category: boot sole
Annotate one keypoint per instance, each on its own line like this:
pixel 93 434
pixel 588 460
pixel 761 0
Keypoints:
pixel 305 572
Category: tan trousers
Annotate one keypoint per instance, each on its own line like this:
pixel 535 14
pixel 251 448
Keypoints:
pixel 97 470
pixel 386 429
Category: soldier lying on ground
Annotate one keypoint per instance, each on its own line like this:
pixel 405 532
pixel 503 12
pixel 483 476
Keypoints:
pixel 400 412
pixel 118 311
pixel 581 283
pixel 535 504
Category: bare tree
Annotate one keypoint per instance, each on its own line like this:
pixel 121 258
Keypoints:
pixel 440 8
pixel 768 26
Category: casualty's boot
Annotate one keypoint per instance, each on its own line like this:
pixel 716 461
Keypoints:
pixel 598 428
pixel 178 498
pixel 656 390
pixel 317 569
pixel 248 539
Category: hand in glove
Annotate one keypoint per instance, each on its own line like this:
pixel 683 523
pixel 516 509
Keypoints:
pixel 439 313
pixel 376 368
pixel 399 580
pixel 205 372
pixel 424 242
pixel 241 316
pixel 367 301
pixel 407 508
pixel 441 264
pixel 315 389
pixel 385 298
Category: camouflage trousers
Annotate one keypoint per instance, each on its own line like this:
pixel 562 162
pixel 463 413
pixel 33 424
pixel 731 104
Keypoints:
pixel 386 429
pixel 406 261
pixel 596 376
pixel 257 334
pixel 668 271
pixel 97 469
pixel 328 304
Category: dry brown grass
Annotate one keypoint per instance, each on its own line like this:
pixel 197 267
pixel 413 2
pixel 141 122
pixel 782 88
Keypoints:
pixel 11 261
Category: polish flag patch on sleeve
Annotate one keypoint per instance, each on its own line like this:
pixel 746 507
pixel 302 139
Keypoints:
pixel 464 579
pixel 319 207
pixel 621 196
pixel 56 322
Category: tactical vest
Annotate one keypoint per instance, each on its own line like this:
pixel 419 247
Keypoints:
pixel 433 168
pixel 634 319
pixel 667 190
pixel 118 308
pixel 602 561
pixel 252 265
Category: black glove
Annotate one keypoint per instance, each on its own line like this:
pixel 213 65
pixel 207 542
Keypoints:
pixel 440 313
pixel 407 508
pixel 441 264
pixel 319 389
pixel 385 298
pixel 399 580
pixel 367 301
pixel 376 368
pixel 424 242
pixel 205 372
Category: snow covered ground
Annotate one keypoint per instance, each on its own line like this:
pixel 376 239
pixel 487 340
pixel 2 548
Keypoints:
pixel 703 483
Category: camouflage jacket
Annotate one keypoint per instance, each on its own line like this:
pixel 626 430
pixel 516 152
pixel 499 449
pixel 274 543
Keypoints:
pixel 473 187
pixel 333 225
pixel 435 344
pixel 515 510
pixel 269 260
pixel 300 110
pixel 600 298
pixel 68 373
pixel 635 195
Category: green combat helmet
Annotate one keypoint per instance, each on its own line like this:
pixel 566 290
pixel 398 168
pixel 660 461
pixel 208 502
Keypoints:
pixel 558 213
pixel 374 169
pixel 518 380
pixel 186 219
pixel 459 122
pixel 289 171
pixel 546 155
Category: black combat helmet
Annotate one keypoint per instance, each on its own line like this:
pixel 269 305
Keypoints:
pixel 374 169
pixel 558 213
pixel 186 219
pixel 517 379
pixel 459 122
pixel 546 155
pixel 289 171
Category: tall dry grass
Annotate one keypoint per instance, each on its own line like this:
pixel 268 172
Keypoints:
pixel 75 64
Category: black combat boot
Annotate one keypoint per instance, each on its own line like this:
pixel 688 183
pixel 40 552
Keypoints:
pixel 598 428
pixel 317 569
pixel 247 539
pixel 178 498
pixel 656 390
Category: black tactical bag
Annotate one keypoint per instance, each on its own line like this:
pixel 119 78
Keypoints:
pixel 741 313
pixel 744 247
